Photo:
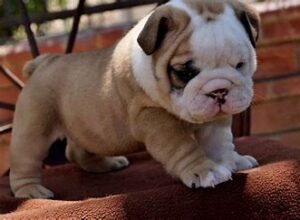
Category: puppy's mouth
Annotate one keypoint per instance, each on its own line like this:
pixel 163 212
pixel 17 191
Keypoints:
pixel 216 104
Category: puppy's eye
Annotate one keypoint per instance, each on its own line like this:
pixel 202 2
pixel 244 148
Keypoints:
pixel 180 75
pixel 240 65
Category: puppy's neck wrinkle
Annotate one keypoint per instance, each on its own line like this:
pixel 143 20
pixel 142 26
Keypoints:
pixel 122 69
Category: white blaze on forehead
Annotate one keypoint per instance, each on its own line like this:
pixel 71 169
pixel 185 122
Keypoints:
pixel 220 41
pixel 223 41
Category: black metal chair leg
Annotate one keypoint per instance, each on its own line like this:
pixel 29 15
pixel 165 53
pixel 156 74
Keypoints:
pixel 75 26
pixel 26 22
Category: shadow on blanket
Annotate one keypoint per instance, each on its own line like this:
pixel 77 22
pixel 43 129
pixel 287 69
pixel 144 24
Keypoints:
pixel 144 190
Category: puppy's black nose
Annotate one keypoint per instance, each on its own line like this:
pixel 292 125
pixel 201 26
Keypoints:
pixel 219 94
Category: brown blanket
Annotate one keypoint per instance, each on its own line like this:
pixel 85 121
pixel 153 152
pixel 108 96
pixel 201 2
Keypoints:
pixel 144 191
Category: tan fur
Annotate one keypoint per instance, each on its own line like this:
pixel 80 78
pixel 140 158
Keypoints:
pixel 95 115
pixel 171 21
pixel 209 9
pixel 182 54
pixel 31 66
pixel 179 32
pixel 93 99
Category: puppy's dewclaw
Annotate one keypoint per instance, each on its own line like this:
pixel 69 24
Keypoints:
pixel 170 86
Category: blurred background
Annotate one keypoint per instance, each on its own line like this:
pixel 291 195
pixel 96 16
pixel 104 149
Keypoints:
pixel 275 109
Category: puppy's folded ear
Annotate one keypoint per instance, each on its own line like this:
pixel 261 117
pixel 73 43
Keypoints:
pixel 162 22
pixel 251 26
pixel 250 19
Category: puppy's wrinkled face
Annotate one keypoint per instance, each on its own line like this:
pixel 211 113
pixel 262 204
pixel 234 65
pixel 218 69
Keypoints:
pixel 198 57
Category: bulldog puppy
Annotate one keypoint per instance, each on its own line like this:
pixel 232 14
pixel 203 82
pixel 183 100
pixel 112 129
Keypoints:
pixel 171 85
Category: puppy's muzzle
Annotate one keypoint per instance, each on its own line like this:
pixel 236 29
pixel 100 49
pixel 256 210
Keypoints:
pixel 219 95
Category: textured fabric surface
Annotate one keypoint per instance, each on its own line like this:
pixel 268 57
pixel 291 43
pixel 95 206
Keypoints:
pixel 145 191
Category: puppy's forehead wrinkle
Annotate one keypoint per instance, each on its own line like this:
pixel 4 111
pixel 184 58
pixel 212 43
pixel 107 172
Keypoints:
pixel 219 42
pixel 208 9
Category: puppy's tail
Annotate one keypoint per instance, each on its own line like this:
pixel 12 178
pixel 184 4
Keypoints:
pixel 32 65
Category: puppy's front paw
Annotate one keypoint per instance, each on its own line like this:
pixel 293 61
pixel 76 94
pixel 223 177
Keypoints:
pixel 34 191
pixel 246 162
pixel 117 163
pixel 236 162
pixel 205 174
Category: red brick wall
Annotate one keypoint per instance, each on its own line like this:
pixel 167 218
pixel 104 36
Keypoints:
pixel 276 108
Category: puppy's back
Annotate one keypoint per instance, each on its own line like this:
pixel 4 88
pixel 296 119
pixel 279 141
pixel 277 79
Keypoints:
pixel 32 65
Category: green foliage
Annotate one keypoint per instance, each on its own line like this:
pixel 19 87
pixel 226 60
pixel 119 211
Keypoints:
pixel 11 8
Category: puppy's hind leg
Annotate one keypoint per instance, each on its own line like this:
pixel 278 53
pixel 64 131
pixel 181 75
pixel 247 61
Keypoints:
pixel 31 138
pixel 94 163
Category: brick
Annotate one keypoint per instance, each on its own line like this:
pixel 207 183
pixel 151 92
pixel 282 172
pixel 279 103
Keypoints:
pixel 84 42
pixel 4 81
pixel 6 117
pixel 280 24
pixel 108 38
pixel 51 46
pixel 283 88
pixel 277 115
pixel 8 94
pixel 260 92
pixel 15 62
pixel 277 61
pixel 275 31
